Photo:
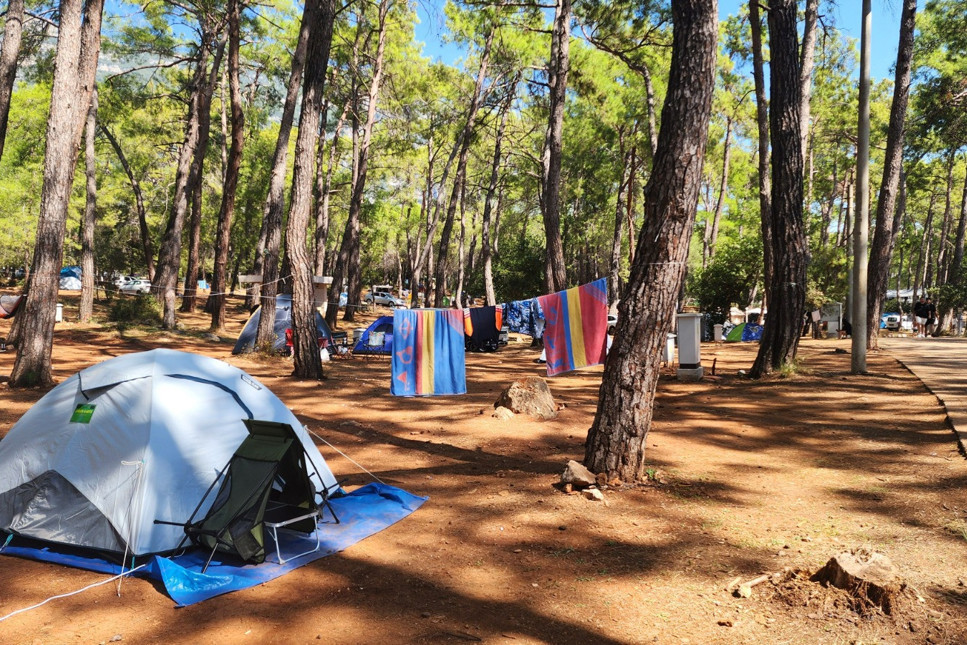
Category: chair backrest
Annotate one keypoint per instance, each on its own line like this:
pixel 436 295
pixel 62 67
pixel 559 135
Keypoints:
pixel 270 463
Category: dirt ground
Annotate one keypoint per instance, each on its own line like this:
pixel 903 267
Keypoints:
pixel 750 478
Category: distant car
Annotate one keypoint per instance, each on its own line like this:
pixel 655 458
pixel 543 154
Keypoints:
pixel 384 298
pixel 612 323
pixel 120 281
pixel 136 286
pixel 891 322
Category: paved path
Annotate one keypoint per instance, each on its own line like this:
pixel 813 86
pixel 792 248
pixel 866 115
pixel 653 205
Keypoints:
pixel 941 363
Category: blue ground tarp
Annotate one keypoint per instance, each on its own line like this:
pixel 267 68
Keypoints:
pixel 362 513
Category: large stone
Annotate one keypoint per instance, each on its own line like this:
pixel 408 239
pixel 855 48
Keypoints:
pixel 577 475
pixel 529 395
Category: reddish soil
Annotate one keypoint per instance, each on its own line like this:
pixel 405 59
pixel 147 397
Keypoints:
pixel 750 478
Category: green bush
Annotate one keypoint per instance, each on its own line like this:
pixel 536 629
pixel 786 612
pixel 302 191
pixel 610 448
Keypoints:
pixel 143 309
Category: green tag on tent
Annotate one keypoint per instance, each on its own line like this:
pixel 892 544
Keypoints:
pixel 83 413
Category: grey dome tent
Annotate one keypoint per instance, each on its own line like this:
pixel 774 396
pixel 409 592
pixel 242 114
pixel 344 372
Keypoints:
pixel 283 321
pixel 135 439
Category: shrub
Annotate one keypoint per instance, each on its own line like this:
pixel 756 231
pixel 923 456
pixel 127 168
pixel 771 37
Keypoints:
pixel 143 309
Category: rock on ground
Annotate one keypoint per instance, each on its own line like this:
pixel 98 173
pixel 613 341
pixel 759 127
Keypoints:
pixel 529 395
pixel 577 475
pixel 502 414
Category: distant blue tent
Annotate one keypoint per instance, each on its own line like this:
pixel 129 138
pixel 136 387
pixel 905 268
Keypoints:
pixel 382 325
pixel 283 321
pixel 70 278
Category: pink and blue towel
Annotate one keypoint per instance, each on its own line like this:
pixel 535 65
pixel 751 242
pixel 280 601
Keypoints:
pixel 577 327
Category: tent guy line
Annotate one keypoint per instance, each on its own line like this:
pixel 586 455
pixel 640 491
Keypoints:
pixel 353 461
pixel 73 593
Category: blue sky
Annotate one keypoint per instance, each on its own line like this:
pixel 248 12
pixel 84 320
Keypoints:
pixel 846 14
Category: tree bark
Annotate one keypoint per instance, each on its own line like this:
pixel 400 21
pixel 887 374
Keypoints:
pixel 169 255
pixel 762 121
pixel 486 243
pixel 193 270
pixel 806 58
pixel 881 252
pixel 780 336
pixel 9 56
pixel 347 264
pixel 138 200
pixel 616 441
pixel 923 257
pixel 555 278
pixel 233 163
pixel 270 237
pixel 624 185
pixel 86 305
pixel 75 64
pixel 305 344
pixel 324 192
pixel 713 235
pixel 465 139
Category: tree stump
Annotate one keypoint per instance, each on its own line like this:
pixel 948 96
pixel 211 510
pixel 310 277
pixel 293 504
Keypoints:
pixel 867 576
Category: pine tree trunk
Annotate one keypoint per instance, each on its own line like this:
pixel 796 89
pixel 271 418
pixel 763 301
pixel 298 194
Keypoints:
pixel 465 138
pixel 138 200
pixel 78 46
pixel 9 56
pixel 195 265
pixel 347 264
pixel 945 226
pixel 324 195
pixel 616 441
pixel 305 344
pixel 270 237
pixel 86 305
pixel 881 251
pixel 806 58
pixel 780 336
pixel 233 164
pixel 555 278
pixel 169 255
pixel 624 184
pixel 486 239
pixel 762 121
pixel 723 189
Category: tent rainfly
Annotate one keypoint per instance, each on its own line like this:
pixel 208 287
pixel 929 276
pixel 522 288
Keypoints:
pixel 283 321
pixel 137 438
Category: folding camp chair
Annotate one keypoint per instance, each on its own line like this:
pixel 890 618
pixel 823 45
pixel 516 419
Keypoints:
pixel 265 485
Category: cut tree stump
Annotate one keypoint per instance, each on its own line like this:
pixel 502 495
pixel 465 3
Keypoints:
pixel 868 576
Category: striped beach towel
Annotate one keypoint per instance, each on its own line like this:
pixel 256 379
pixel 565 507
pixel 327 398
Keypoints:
pixel 577 327
pixel 428 352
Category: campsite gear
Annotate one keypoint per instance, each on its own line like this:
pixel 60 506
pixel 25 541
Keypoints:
pixel 283 321
pixel 744 332
pixel 428 353
pixel 522 317
pixel 10 304
pixel 482 328
pixel 130 440
pixel 370 343
pixel 264 485
pixel 577 327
